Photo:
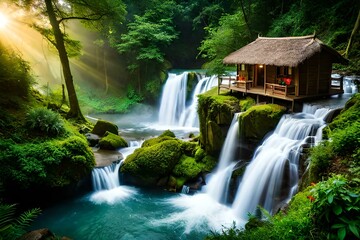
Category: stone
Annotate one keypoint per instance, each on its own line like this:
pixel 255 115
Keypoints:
pixel 101 127
pixel 40 234
pixel 92 139
pixel 111 141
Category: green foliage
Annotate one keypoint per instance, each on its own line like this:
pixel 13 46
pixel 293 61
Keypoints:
pixel 228 36
pixel 45 121
pixel 12 226
pixel 336 209
pixel 50 163
pixel 344 133
pixel 15 79
pixel 296 223
pixel 112 141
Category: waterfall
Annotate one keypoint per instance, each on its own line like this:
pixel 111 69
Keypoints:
pixel 189 118
pixel 106 178
pixel 173 109
pixel 173 99
pixel 218 185
pixel 271 178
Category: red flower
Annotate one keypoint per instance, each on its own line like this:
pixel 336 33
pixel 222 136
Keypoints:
pixel 311 198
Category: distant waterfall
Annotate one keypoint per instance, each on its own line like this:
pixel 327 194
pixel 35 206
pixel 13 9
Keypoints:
pixel 173 99
pixel 106 178
pixel 218 185
pixel 271 178
pixel 173 109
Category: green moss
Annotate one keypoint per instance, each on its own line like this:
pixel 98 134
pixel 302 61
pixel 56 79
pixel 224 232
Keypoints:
pixel 154 141
pixel 153 161
pixel 112 141
pixel 101 127
pixel 199 154
pixel 246 103
pixel 257 121
pixel 180 181
pixel 167 133
pixel 189 148
pixel 208 163
pixel 187 167
pixel 215 112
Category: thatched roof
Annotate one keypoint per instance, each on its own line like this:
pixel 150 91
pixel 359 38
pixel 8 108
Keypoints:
pixel 287 51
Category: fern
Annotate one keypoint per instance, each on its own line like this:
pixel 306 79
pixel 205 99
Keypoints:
pixel 12 227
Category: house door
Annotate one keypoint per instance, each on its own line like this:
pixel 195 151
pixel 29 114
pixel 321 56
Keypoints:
pixel 260 75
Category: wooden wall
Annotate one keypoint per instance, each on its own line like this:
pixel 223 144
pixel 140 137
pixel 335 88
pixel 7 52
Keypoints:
pixel 315 74
pixel 271 74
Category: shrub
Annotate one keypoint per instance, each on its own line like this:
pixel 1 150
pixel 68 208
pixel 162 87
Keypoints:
pixel 45 121
pixel 336 208
pixel 50 163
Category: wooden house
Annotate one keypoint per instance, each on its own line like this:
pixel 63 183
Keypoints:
pixel 288 68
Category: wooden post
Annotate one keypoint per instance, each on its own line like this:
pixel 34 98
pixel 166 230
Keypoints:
pixel 264 77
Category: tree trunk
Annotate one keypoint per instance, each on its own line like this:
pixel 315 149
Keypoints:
pixel 353 33
pixel 75 111
pixel 246 19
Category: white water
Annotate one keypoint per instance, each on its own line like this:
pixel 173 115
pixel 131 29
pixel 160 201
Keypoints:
pixel 219 182
pixel 173 99
pixel 271 178
pixel 189 118
pixel 106 180
pixel 173 110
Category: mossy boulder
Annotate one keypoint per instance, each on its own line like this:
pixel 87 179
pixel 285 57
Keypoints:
pixel 102 126
pixel 258 120
pixel 167 133
pixel 156 140
pixel 187 167
pixel 149 164
pixel 112 141
pixel 215 114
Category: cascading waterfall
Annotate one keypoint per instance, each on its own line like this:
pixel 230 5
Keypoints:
pixel 189 118
pixel 272 176
pixel 173 99
pixel 173 110
pixel 218 185
pixel 105 178
pixel 106 181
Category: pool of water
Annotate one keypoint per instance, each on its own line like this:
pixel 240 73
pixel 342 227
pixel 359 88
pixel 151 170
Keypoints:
pixel 133 213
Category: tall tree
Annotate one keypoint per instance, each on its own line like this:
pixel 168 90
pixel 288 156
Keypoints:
pixel 97 14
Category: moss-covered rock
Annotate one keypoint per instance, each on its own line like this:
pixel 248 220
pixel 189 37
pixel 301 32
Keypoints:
pixel 112 141
pixel 167 133
pixel 149 164
pixel 102 126
pixel 257 121
pixel 215 115
pixel 187 167
pixel 156 140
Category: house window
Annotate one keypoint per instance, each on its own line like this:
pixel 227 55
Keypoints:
pixel 283 71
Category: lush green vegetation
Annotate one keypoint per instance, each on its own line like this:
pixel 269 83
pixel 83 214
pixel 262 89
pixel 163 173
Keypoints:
pixel 39 148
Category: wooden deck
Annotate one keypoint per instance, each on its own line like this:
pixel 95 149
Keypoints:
pixel 276 91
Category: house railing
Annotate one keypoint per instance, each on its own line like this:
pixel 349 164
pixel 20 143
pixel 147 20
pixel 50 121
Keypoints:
pixel 277 89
